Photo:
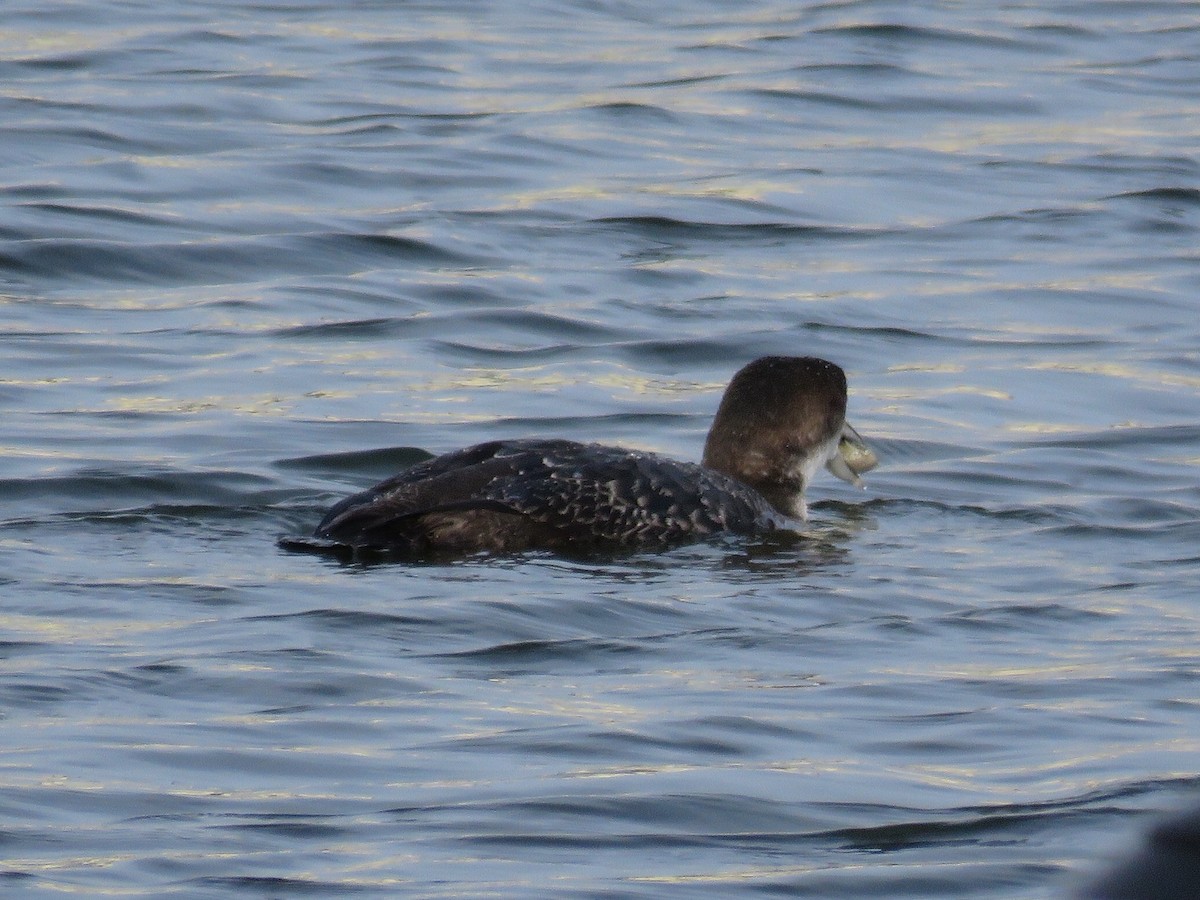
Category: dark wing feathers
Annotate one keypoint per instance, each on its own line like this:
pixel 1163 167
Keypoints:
pixel 454 478
pixel 568 493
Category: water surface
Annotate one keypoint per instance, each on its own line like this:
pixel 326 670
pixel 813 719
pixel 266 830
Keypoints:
pixel 253 258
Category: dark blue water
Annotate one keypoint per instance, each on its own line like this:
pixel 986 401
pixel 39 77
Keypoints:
pixel 255 257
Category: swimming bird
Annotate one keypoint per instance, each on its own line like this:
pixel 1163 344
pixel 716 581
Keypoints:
pixel 780 420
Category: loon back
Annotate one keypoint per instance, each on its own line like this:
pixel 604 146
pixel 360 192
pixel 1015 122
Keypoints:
pixel 506 496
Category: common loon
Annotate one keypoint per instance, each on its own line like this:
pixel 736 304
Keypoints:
pixel 780 420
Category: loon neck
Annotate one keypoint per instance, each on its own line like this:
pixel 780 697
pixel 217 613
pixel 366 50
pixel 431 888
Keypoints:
pixel 780 476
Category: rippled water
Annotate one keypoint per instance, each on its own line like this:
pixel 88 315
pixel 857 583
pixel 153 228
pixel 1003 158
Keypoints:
pixel 252 257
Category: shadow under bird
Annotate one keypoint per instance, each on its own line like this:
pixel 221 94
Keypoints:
pixel 780 420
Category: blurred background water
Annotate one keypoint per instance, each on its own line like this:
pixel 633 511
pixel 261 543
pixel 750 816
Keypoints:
pixel 251 255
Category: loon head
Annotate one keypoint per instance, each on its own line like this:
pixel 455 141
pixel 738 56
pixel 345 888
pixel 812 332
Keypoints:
pixel 781 419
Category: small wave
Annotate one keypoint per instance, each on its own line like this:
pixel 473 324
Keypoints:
pixel 366 462
pixel 1184 195
pixel 624 109
pixel 207 489
pixel 888 70
pixel 1152 437
pixel 826 98
pixel 221 262
pixel 352 619
pixel 273 886
pixel 92 214
pixel 353 329
pixel 679 820
pixel 293 827
pixel 541 652
pixel 894 33
pixel 11 649
pixel 668 227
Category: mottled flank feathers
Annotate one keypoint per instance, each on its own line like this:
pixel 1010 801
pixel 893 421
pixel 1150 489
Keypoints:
pixel 513 495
